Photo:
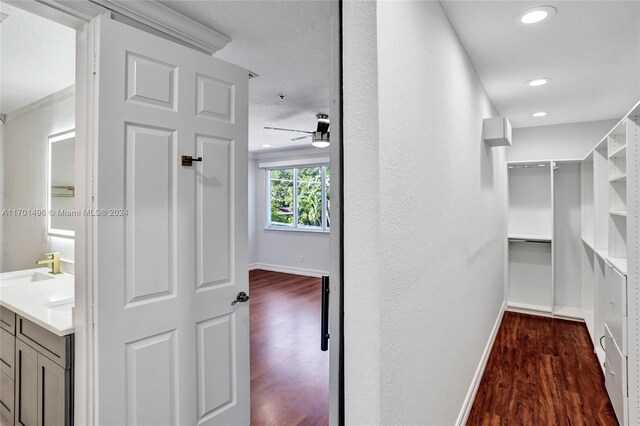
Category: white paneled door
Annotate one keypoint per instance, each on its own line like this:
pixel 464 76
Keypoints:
pixel 171 250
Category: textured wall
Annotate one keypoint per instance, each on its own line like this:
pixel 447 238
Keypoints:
pixel 2 172
pixel 362 285
pixel 25 179
pixel 562 141
pixel 424 267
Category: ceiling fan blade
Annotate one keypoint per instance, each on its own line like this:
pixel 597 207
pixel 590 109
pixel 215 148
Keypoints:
pixel 301 137
pixel 286 130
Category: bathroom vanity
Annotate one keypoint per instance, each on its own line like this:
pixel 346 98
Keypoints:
pixel 36 348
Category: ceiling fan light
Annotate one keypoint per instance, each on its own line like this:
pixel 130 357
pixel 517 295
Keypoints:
pixel 320 144
pixel 320 140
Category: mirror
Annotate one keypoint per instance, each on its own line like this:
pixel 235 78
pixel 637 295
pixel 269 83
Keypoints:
pixel 61 185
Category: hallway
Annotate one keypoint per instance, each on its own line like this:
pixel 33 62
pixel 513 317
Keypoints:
pixel 542 372
pixel 289 373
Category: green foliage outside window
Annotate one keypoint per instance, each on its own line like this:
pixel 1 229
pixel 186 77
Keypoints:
pixel 327 176
pixel 310 197
pixel 282 196
pixel 308 182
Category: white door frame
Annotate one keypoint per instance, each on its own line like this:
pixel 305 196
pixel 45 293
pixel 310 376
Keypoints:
pixel 80 15
pixel 336 306
pixel 83 338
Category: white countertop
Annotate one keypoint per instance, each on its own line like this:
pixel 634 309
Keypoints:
pixel 40 297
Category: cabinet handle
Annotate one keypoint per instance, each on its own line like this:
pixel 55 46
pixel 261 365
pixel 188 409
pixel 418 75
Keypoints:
pixel 42 398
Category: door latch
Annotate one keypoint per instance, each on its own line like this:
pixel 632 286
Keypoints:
pixel 188 160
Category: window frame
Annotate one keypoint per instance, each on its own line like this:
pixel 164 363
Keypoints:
pixel 272 226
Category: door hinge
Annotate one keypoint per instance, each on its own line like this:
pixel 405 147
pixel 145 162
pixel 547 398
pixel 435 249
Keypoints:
pixel 94 65
pixel 93 314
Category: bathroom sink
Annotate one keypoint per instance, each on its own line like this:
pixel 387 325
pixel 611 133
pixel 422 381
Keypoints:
pixel 23 278
pixel 62 306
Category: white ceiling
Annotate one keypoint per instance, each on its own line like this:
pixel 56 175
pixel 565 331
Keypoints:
pixel 591 50
pixel 287 44
pixel 37 58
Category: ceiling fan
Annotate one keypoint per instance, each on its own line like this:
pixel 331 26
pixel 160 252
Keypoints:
pixel 320 138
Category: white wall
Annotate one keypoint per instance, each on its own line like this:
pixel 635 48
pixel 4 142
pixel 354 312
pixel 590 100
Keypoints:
pixel 25 179
pixel 305 253
pixel 558 142
pixel 362 287
pixel 2 171
pixel 253 169
pixel 424 216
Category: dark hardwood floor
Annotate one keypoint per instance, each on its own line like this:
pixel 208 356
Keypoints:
pixel 542 371
pixel 289 373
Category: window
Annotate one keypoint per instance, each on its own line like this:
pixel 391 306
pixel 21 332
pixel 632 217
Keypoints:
pixel 299 198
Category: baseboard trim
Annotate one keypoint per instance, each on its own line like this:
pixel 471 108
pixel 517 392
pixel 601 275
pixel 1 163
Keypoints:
pixel 288 270
pixel 477 378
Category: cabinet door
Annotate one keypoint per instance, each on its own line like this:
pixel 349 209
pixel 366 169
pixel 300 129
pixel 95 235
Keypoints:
pixel 616 306
pixel 26 398
pixel 52 388
pixel 7 352
pixel 6 400
pixel 616 376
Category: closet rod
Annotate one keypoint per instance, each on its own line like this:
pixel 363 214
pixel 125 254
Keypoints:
pixel 527 166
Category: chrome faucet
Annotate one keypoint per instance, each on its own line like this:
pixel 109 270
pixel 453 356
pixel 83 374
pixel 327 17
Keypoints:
pixel 53 260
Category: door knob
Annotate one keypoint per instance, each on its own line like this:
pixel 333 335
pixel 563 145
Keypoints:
pixel 241 297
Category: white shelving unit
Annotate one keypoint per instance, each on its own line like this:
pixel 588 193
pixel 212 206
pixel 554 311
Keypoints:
pixel 530 235
pixel 587 212
pixel 567 244
pixel 588 233
pixel 610 197
pixel 573 251
pixel 544 256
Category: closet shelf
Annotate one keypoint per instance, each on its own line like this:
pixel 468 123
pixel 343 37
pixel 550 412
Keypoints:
pixel 618 213
pixel 619 178
pixel 589 244
pixel 619 263
pixel 602 254
pixel 620 152
pixel 530 237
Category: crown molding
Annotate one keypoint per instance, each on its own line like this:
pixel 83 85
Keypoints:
pixel 71 13
pixel 81 9
pixel 166 20
pixel 148 15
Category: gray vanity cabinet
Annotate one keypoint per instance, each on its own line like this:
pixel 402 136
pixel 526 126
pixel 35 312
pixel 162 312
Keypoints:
pixel 26 403
pixel 36 386
pixel 7 365
pixel 53 383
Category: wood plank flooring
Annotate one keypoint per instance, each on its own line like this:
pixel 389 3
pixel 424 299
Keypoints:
pixel 289 373
pixel 542 372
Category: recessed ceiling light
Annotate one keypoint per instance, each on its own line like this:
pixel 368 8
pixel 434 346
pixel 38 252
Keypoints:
pixel 539 114
pixel 537 14
pixel 538 82
pixel 266 145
